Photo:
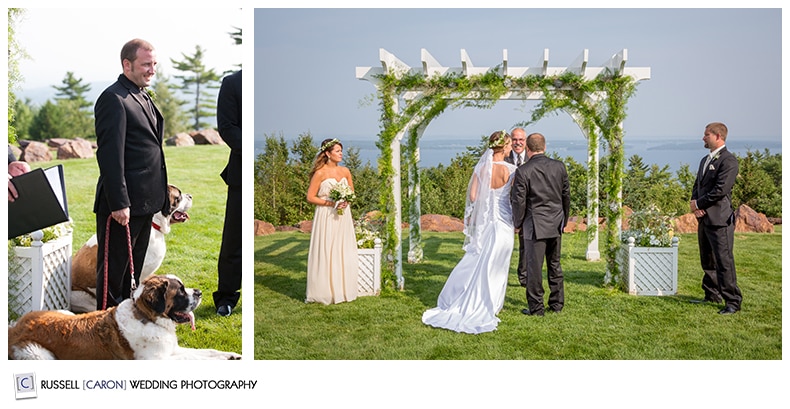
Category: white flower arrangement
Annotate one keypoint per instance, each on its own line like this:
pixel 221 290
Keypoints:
pixel 342 192
pixel 649 228
pixel 366 233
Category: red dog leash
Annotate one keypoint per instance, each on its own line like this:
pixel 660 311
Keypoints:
pixel 106 256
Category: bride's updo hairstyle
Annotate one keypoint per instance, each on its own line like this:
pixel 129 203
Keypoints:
pixel 321 159
pixel 498 140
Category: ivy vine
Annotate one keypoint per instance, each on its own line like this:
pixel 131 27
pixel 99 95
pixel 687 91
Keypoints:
pixel 597 104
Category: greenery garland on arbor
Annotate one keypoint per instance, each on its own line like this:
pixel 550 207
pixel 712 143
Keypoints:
pixel 598 105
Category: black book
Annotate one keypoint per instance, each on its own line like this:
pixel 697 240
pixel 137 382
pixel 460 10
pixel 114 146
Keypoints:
pixel 41 202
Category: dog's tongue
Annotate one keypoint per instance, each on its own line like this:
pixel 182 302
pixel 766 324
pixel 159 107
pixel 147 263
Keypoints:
pixel 192 320
pixel 180 216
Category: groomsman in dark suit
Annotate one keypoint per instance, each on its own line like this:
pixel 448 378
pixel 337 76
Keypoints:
pixel 132 184
pixel 229 264
pixel 518 156
pixel 540 198
pixel 711 202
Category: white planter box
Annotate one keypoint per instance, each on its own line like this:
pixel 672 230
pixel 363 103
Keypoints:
pixel 649 270
pixel 39 276
pixel 369 279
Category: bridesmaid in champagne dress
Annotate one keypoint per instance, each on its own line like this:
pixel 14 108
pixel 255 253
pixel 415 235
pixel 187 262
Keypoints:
pixel 332 264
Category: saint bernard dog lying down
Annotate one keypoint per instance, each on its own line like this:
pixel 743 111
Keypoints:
pixel 141 327
pixel 83 264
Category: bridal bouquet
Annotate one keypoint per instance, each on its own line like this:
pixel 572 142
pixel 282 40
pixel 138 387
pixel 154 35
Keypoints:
pixel 341 192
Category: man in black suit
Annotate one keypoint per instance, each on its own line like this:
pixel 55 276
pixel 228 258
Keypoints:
pixel 711 202
pixel 518 156
pixel 540 198
pixel 132 184
pixel 229 265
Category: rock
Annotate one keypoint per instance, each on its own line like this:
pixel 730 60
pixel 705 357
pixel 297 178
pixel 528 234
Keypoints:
pixel 75 149
pixel 36 152
pixel 57 142
pixel 627 212
pixel 775 220
pixel 305 226
pixel 686 223
pixel 575 223
pixel 440 223
pixel 285 228
pixel 747 220
pixel 207 137
pixel 180 139
pixel 16 151
pixel 263 228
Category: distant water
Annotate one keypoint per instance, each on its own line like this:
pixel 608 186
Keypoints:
pixel 673 153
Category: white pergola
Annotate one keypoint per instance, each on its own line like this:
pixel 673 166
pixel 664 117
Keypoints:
pixel 431 67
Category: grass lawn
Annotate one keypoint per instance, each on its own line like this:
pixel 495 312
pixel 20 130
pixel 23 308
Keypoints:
pixel 597 323
pixel 192 247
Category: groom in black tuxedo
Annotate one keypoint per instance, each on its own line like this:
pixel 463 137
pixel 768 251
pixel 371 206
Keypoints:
pixel 711 202
pixel 518 157
pixel 541 200
pixel 132 184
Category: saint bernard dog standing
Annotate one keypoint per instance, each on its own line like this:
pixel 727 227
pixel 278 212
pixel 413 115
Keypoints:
pixel 141 327
pixel 83 264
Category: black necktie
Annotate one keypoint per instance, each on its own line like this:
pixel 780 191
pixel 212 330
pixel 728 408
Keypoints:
pixel 518 161
pixel 150 106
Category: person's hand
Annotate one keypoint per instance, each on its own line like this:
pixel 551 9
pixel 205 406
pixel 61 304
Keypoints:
pixel 12 193
pixel 15 168
pixel 121 216
pixel 699 213
pixel 342 205
pixel 693 206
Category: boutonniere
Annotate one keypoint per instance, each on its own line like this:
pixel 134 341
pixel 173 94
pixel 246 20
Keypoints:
pixel 716 156
pixel 152 95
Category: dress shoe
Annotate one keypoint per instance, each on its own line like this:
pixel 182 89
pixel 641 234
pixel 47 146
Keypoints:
pixel 728 310
pixel 224 310
pixel 526 311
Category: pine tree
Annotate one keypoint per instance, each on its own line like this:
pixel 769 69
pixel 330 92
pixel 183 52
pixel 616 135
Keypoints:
pixel 196 81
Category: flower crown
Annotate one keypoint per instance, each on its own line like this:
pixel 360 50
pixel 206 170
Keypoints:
pixel 499 142
pixel 328 144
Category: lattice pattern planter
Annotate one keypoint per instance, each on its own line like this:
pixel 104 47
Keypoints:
pixel 649 270
pixel 39 276
pixel 369 281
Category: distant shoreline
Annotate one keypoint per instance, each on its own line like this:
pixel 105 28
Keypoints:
pixel 671 152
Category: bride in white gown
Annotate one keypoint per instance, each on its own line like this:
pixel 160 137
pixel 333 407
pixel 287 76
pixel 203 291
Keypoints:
pixel 475 290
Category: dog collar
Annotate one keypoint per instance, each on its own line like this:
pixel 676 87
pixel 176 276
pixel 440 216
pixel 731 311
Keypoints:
pixel 156 226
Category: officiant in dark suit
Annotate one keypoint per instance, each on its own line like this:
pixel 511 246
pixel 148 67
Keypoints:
pixel 518 156
pixel 229 264
pixel 540 198
pixel 132 184
pixel 711 202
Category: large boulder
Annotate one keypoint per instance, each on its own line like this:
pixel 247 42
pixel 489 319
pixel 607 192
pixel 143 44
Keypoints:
pixel 207 137
pixel 57 142
pixel 263 228
pixel 16 151
pixel 180 139
pixel 686 223
pixel 746 221
pixel 75 149
pixel 36 152
pixel 440 223
pixel 749 221
pixel 305 226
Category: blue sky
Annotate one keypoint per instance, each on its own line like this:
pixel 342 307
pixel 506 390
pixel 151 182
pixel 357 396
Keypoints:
pixel 706 65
